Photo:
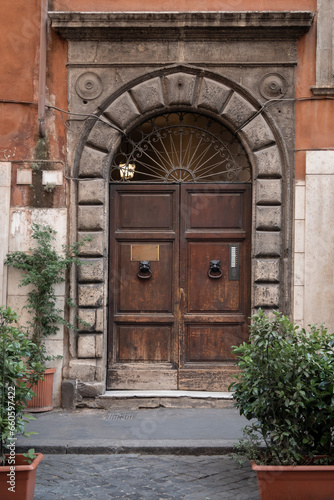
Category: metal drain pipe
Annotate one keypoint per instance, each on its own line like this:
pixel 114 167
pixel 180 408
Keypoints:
pixel 42 68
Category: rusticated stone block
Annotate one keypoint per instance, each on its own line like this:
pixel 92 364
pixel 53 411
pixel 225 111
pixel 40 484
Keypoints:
pixel 104 136
pixel 268 218
pixel 90 320
pixel 213 95
pixel 122 111
pixel 91 270
pixel 267 270
pixel 91 192
pixel 181 88
pixel 258 133
pixel 92 390
pixel 86 320
pixel 68 394
pixel 269 191
pixel 82 369
pixel 238 110
pixel 148 95
pixel 90 295
pixel 268 312
pixel 90 218
pixel 266 296
pixel 86 346
pixel 267 244
pixel 92 163
pixel 94 247
pixel 268 163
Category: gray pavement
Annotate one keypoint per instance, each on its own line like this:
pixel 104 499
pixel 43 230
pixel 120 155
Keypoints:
pixel 150 454
pixel 147 477
pixel 163 430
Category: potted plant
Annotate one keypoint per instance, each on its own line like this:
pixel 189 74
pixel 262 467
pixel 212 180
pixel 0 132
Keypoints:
pixel 285 385
pixel 17 471
pixel 43 268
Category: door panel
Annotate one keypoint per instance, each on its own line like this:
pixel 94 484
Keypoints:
pixel 207 343
pixel 175 329
pixel 145 211
pixel 143 343
pixel 207 210
pixel 145 295
pixel 210 294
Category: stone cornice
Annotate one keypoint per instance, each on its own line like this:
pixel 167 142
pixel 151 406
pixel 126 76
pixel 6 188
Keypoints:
pixel 181 25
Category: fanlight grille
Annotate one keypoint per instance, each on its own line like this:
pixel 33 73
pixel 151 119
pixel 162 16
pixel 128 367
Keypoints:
pixel 181 147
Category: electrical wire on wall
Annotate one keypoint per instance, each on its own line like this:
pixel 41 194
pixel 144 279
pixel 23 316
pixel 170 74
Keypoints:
pixel 87 116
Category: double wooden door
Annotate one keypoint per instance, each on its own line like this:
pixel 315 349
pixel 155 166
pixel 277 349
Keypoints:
pixel 179 284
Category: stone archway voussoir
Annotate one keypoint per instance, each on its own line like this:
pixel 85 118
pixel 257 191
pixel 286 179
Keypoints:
pixel 122 111
pixel 213 95
pixel 148 95
pixel 258 133
pixel 92 163
pixel 181 89
pixel 103 136
pixel 238 110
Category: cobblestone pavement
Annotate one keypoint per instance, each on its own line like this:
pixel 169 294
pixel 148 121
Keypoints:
pixel 147 477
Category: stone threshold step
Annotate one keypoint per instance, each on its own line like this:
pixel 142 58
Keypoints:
pixel 166 394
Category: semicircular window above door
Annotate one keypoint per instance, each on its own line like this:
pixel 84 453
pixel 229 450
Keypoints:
pixel 181 147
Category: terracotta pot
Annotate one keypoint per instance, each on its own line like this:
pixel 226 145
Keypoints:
pixel 24 482
pixel 43 390
pixel 300 482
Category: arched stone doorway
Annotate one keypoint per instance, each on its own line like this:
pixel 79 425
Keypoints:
pixel 205 94
pixel 179 254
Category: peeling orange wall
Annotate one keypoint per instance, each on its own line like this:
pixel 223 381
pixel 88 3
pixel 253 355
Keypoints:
pixel 19 39
pixel 19 81
pixel 19 68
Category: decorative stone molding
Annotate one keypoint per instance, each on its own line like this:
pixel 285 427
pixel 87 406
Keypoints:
pixel 89 85
pixel 180 25
pixel 273 86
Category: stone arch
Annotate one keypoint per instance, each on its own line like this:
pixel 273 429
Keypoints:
pixel 202 92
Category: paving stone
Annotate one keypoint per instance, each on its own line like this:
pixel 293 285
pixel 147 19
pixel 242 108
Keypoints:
pixel 139 477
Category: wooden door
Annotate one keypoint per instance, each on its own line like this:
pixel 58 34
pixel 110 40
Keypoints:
pixel 172 323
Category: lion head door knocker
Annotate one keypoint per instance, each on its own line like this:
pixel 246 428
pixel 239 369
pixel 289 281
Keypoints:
pixel 144 272
pixel 215 271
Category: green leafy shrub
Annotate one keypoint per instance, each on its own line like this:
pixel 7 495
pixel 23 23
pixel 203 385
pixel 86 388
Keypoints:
pixel 16 379
pixel 43 268
pixel 286 385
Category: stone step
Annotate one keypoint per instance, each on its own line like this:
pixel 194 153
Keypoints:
pixel 134 400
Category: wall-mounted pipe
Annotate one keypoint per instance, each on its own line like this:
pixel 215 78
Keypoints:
pixel 42 68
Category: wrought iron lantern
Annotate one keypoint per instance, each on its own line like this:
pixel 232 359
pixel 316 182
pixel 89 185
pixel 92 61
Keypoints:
pixel 127 170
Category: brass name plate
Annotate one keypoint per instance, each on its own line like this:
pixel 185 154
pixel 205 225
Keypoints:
pixel 145 252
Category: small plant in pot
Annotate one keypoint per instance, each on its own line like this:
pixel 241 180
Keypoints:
pixel 43 268
pixel 285 385
pixel 17 471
